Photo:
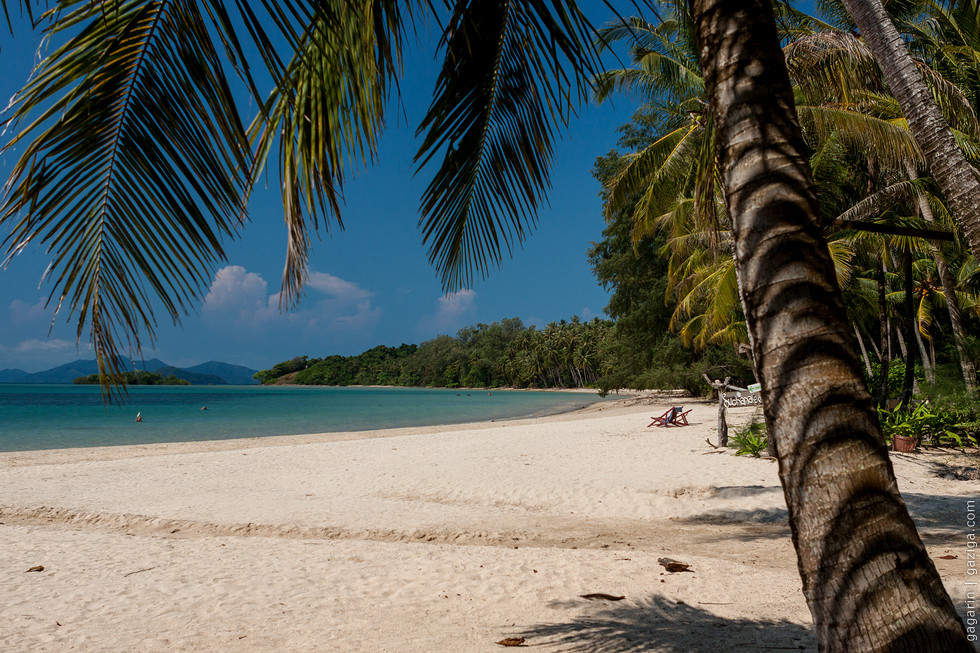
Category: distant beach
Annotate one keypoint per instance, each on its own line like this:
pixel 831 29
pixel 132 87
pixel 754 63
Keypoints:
pixel 436 538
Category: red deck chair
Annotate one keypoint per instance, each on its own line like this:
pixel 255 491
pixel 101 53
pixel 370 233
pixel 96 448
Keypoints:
pixel 679 418
pixel 666 418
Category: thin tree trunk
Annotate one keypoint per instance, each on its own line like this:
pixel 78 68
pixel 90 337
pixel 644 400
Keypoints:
pixel 864 351
pixel 928 362
pixel 874 346
pixel 884 359
pixel 950 169
pixel 909 329
pixel 868 580
pixel 901 343
pixel 953 304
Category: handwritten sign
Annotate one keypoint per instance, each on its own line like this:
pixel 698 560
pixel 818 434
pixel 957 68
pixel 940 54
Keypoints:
pixel 736 399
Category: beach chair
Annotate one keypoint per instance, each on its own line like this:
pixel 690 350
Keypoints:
pixel 679 418
pixel 664 419
pixel 676 416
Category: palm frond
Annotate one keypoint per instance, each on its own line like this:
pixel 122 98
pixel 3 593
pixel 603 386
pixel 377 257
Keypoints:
pixel 873 206
pixel 326 119
pixel 133 168
pixel 512 71
pixel 889 143
pixel 25 7
pixel 648 165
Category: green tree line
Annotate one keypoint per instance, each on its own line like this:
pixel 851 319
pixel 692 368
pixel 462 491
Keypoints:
pixel 564 354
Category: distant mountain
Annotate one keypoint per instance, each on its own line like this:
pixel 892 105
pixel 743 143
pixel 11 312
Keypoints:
pixel 12 375
pixel 63 373
pixel 193 377
pixel 149 366
pixel 233 374
pixel 210 373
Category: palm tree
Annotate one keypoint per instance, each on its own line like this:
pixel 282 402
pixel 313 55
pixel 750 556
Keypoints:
pixel 512 72
pixel 847 96
pixel 949 167
pixel 833 464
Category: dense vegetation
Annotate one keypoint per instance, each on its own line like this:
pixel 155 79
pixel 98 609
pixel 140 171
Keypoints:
pixel 137 377
pixel 505 353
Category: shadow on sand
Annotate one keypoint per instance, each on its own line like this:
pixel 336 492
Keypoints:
pixel 659 624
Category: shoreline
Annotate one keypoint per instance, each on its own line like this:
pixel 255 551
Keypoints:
pixel 183 424
pixel 119 451
pixel 460 535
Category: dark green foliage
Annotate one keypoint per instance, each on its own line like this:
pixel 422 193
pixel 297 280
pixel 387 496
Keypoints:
pixel 643 353
pixel 506 353
pixel 138 377
pixel 281 369
pixel 750 440
pixel 896 376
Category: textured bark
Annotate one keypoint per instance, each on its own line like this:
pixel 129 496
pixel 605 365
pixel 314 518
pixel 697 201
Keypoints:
pixel 949 167
pixel 868 581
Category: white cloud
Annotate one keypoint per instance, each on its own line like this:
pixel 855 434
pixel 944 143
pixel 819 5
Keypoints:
pixel 36 346
pixel 235 287
pixel 336 287
pixel 23 313
pixel 451 314
pixel 331 303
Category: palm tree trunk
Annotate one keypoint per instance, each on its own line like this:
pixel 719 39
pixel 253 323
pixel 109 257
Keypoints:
pixel 949 167
pixel 909 329
pixel 928 362
pixel 868 581
pixel 953 304
pixel 864 351
pixel 881 397
pixel 874 346
pixel 901 343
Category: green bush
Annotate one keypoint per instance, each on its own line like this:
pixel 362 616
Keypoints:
pixel 937 423
pixel 750 440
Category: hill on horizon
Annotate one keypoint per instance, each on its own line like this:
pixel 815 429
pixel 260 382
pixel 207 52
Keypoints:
pixel 210 373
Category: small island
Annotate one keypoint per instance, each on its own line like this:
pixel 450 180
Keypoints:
pixel 136 377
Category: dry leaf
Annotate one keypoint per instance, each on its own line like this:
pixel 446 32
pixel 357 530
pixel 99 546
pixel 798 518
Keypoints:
pixel 949 557
pixel 37 568
pixel 512 641
pixel 604 597
pixel 672 565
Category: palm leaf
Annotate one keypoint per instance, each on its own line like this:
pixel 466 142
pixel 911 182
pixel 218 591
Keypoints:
pixel 512 71
pixel 890 143
pixel 326 119
pixel 133 169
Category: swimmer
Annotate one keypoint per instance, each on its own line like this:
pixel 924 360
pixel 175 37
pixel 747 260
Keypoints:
pixel 139 417
pixel 204 407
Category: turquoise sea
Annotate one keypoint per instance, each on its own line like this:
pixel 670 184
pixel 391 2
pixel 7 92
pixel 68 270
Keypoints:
pixel 36 417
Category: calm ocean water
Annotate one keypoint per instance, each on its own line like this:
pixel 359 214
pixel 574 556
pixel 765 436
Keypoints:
pixel 63 416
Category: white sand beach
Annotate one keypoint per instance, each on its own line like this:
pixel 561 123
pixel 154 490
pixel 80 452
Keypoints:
pixel 425 539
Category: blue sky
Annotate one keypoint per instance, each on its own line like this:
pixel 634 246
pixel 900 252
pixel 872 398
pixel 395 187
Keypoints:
pixel 369 284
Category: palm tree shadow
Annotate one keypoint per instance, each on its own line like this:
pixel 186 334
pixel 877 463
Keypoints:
pixel 660 624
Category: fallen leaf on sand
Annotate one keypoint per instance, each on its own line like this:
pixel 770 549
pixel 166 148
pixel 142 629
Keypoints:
pixel 512 641
pixel 950 557
pixel 603 597
pixel 672 565
pixel 37 568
